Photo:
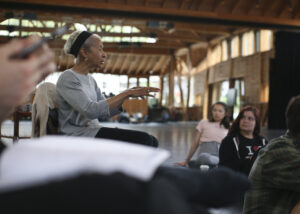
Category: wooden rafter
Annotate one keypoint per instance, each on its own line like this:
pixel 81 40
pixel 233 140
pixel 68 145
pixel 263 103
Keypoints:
pixel 264 6
pixel 108 34
pixel 159 63
pixel 142 64
pixel 182 4
pixel 132 64
pixel 163 3
pixel 282 8
pixel 138 64
pixel 235 5
pixel 271 7
pixel 163 11
pixel 124 64
pixel 216 5
pixel 150 64
pixel 199 4
pixel 117 63
pixel 252 6
pixel 296 9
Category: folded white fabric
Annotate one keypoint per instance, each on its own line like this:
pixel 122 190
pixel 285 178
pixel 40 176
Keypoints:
pixel 38 161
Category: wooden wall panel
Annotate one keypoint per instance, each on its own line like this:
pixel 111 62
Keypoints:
pixel 222 71
pixel 238 67
pixel 252 79
pixel 199 83
pixel 211 74
pixel 265 60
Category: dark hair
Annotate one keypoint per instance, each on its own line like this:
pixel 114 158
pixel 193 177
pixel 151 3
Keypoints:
pixel 235 127
pixel 225 120
pixel 292 115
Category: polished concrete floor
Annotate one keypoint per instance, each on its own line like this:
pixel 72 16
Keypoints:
pixel 176 137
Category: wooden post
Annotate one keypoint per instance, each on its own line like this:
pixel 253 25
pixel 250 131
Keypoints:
pixel 206 91
pixel 171 82
pixel 148 81
pixel 190 66
pixel 161 90
pixel 254 43
pixel 179 71
pixel 231 80
pixel 240 45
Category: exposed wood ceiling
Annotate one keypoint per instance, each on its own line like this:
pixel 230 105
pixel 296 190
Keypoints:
pixel 176 24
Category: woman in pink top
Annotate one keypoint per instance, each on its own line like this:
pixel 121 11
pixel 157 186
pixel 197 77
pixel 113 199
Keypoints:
pixel 209 136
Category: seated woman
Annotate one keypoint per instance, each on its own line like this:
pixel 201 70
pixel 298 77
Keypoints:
pixel 240 147
pixel 80 102
pixel 209 136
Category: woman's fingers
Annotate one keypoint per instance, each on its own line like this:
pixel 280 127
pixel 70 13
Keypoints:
pixel 153 89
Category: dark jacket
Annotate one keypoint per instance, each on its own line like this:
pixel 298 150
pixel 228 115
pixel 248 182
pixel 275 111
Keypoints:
pixel 239 153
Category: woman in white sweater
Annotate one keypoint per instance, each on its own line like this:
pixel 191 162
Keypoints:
pixel 80 101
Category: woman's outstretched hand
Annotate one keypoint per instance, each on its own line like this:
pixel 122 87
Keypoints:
pixel 183 163
pixel 141 91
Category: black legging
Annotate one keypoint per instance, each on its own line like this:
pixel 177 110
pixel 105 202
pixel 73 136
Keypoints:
pixel 131 136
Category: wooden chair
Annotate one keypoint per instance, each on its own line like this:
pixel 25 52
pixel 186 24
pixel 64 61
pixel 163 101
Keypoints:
pixel 17 116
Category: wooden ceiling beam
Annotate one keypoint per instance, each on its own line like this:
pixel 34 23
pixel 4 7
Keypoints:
pixel 131 65
pixel 124 64
pixel 116 64
pixel 252 6
pixel 142 65
pixel 163 3
pixel 107 34
pixel 271 7
pixel 142 59
pixel 281 9
pixel 234 5
pixel 143 51
pixel 216 5
pixel 165 65
pixel 148 11
pixel 159 63
pixel 296 10
pixel 206 29
pixel 199 4
pixel 149 64
pixel 182 4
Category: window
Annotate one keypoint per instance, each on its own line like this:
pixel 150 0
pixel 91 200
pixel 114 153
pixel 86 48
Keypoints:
pixel 143 82
pixel 266 40
pixel 248 43
pixel 257 35
pixel 132 82
pixel 224 50
pixel 239 85
pixel 223 91
pixel 165 95
pixel 215 55
pixel 177 94
pixel 235 47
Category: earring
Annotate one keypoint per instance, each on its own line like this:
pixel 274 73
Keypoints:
pixel 85 59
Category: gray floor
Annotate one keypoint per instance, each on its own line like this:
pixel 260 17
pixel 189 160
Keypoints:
pixel 176 137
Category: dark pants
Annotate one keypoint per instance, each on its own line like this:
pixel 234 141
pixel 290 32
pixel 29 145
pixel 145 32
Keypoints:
pixel 171 190
pixel 130 136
